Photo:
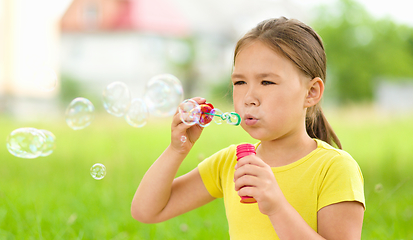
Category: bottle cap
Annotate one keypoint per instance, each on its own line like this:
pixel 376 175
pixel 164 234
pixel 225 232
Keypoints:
pixel 245 150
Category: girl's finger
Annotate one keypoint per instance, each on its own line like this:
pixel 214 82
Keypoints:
pixel 247 169
pixel 246 180
pixel 199 100
pixel 247 191
pixel 250 159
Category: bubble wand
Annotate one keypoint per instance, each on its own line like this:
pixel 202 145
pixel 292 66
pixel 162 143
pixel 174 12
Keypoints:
pixel 192 113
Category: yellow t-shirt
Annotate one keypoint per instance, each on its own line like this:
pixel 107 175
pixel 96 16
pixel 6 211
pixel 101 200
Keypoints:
pixel 325 176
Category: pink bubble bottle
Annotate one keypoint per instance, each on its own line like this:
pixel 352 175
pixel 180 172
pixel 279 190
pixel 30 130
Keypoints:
pixel 242 151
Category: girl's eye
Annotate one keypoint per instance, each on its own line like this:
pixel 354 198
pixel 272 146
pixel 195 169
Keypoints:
pixel 267 82
pixel 239 82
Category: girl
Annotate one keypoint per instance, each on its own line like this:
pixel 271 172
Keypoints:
pixel 304 187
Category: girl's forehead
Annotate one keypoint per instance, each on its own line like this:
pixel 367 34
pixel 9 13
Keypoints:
pixel 257 48
pixel 270 57
pixel 259 55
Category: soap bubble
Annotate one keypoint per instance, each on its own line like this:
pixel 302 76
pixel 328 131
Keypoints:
pixel 163 94
pixel 116 98
pixel 189 112
pixel 45 78
pixel 183 139
pixel 216 111
pixel 137 114
pixel 98 171
pixel 79 113
pixel 206 115
pixel 49 144
pixel 26 142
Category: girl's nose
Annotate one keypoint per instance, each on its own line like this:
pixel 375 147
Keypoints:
pixel 251 98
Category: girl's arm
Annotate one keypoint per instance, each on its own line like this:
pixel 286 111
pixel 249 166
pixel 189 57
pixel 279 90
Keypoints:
pixel 253 177
pixel 160 196
pixel 342 220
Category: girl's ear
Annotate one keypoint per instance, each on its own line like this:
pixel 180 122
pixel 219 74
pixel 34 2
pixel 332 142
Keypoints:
pixel 315 92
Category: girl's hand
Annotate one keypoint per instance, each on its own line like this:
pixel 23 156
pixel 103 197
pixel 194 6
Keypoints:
pixel 253 177
pixel 180 129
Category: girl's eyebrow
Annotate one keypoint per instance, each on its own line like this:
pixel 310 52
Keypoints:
pixel 260 75
pixel 237 75
pixel 269 74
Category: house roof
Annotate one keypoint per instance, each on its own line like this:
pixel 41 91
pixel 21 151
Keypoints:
pixel 158 16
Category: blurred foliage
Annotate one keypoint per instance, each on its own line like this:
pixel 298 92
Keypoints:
pixel 184 66
pixel 222 91
pixel 361 50
pixel 70 88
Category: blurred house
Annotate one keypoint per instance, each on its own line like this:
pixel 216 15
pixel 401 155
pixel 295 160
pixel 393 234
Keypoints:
pixel 104 41
pixel 96 42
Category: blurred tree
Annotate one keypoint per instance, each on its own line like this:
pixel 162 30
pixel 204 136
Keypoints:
pixel 70 88
pixel 361 49
pixel 183 63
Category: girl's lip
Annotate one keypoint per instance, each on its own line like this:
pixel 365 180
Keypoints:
pixel 250 120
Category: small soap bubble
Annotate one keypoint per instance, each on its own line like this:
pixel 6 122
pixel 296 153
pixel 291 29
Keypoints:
pixel 26 142
pixel 217 119
pixel 98 171
pixel 183 139
pixel 116 98
pixel 163 93
pixel 79 113
pixel 45 78
pixel 49 144
pixel 137 114
pixel 189 111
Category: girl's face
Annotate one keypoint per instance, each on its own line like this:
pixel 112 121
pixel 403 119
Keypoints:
pixel 269 93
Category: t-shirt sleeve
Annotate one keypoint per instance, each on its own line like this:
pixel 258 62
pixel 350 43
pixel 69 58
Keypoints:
pixel 342 181
pixel 210 170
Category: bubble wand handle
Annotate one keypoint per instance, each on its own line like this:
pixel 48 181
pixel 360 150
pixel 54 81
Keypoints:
pixel 242 151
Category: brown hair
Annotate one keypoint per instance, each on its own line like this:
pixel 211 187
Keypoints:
pixel 304 47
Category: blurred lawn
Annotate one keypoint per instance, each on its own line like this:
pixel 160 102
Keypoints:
pixel 56 198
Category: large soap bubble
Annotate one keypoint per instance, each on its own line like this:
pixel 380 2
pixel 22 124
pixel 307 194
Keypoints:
pixel 79 113
pixel 163 94
pixel 26 142
pixel 190 112
pixel 137 114
pixel 49 144
pixel 116 98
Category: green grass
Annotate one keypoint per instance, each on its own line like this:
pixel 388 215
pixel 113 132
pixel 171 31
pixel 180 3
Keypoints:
pixel 56 198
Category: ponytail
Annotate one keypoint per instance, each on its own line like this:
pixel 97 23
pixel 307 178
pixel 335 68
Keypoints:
pixel 318 127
